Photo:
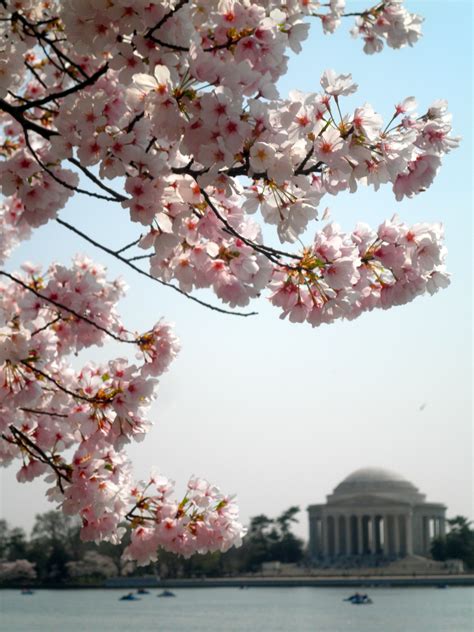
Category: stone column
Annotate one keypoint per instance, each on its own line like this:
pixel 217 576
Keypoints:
pixel 337 548
pixel 325 536
pixel 417 539
pixel 426 535
pixel 386 540
pixel 348 535
pixel 312 538
pixel 409 534
pixel 396 533
pixel 378 520
pixel 373 534
pixel 360 542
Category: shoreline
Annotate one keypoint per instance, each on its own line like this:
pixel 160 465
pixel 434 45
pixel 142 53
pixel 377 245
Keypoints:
pixel 311 581
pixel 394 581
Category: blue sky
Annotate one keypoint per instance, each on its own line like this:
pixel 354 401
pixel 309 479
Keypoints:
pixel 279 413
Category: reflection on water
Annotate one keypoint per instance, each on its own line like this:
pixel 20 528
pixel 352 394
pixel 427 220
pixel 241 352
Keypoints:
pixel 234 610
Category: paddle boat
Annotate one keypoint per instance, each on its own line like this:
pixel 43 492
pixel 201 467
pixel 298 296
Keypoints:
pixel 358 600
pixel 166 593
pixel 27 591
pixel 129 597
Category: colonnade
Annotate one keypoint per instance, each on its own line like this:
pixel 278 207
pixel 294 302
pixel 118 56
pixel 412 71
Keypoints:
pixel 388 533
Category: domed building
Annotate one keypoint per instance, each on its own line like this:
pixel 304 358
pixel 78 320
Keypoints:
pixel 374 512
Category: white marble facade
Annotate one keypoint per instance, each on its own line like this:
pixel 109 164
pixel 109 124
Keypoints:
pixel 374 512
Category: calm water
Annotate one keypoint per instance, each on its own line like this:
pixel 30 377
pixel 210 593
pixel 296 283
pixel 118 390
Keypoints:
pixel 234 610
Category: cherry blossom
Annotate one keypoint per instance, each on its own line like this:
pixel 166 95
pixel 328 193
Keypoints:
pixel 169 110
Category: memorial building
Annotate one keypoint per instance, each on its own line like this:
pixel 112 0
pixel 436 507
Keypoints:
pixel 374 512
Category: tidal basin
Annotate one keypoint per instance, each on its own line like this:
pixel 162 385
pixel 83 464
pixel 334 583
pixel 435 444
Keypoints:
pixel 414 609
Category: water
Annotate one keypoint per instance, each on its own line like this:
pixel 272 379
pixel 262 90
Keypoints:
pixel 234 610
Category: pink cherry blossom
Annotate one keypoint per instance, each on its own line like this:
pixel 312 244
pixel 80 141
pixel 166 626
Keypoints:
pixel 170 112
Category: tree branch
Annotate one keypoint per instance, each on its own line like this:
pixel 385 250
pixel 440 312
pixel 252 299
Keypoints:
pixel 33 411
pixel 64 93
pixel 118 196
pixel 89 400
pixel 51 322
pixel 42 37
pixel 116 254
pixel 130 245
pixel 166 17
pixel 66 309
pixel 22 440
pixel 66 185
pixel 26 124
pixel 271 253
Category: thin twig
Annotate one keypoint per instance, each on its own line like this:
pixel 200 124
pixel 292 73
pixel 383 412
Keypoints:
pixel 130 245
pixel 66 185
pixel 271 253
pixel 34 411
pixel 115 254
pixel 89 400
pixel 64 93
pixel 66 309
pixel 118 197
pixel 51 322
pixel 40 36
pixel 166 17
pixel 40 455
pixel 139 257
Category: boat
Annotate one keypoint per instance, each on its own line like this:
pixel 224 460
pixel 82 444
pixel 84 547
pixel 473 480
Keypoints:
pixel 129 597
pixel 143 591
pixel 166 593
pixel 359 600
pixel 27 591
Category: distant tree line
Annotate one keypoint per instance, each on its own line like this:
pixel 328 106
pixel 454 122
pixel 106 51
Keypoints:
pixel 55 554
pixel 458 543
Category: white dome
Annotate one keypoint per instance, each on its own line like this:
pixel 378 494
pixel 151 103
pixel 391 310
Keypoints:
pixel 375 481
pixel 371 474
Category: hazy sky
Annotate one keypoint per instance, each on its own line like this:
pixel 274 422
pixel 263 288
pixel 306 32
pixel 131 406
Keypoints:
pixel 280 413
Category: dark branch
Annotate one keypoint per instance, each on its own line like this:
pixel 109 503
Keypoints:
pixel 118 196
pixel 51 322
pixel 116 254
pixel 64 93
pixel 130 245
pixel 176 47
pixel 140 257
pixel 27 124
pixel 22 440
pixel 166 17
pixel 34 411
pixel 66 185
pixel 66 309
pixel 42 37
pixel 271 253
pixel 89 400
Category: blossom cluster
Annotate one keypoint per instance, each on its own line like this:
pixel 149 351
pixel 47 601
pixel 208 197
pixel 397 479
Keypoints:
pixel 391 22
pixel 169 110
pixel 93 412
pixel 342 275
pixel 77 421
pixel 14 230
pixel 205 520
